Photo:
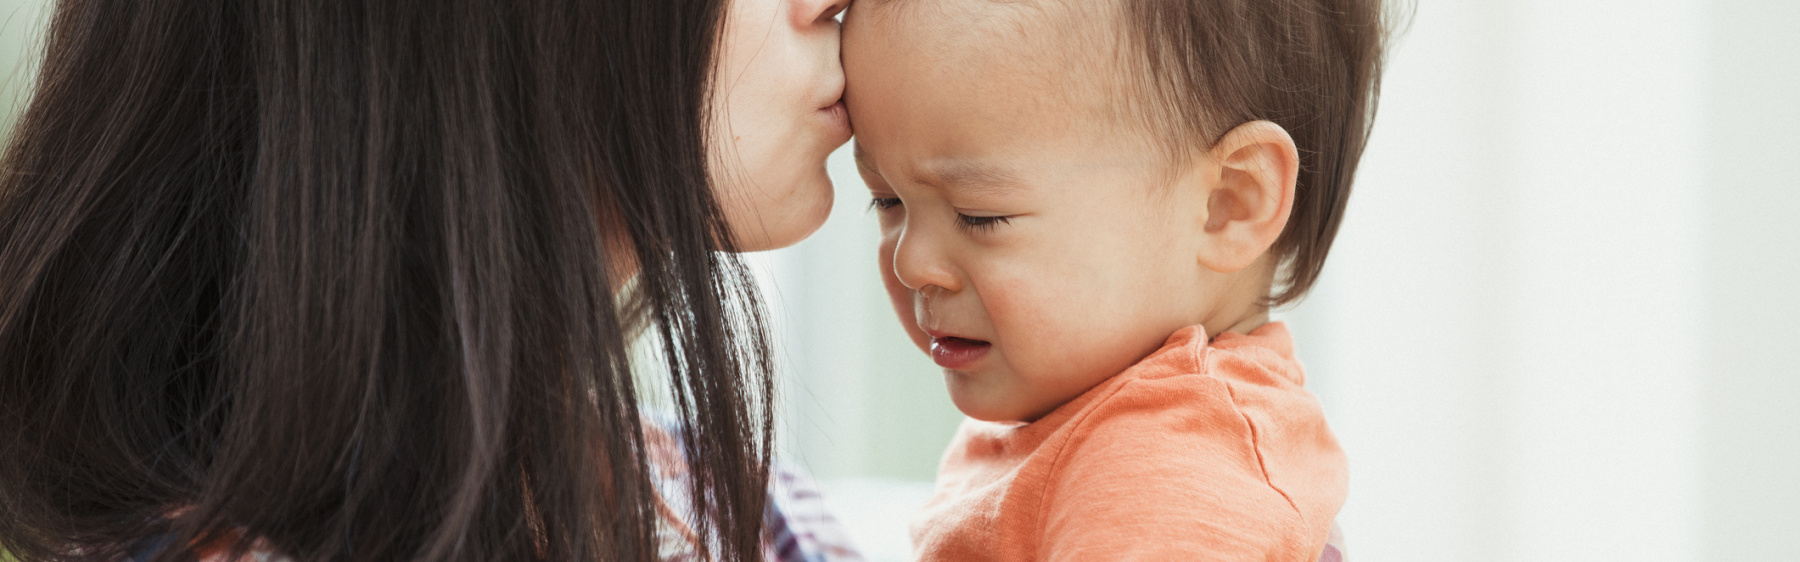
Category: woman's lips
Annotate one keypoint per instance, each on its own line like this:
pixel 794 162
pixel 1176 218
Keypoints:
pixel 956 353
pixel 838 118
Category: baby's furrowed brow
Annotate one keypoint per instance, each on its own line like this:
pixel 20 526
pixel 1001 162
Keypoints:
pixel 980 177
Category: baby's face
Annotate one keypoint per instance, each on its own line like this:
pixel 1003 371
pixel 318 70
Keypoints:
pixel 1027 242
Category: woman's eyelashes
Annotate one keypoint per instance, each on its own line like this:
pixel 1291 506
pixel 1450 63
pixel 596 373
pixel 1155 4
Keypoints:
pixel 884 203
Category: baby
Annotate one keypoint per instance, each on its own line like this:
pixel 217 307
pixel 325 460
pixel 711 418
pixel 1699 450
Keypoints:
pixel 1088 208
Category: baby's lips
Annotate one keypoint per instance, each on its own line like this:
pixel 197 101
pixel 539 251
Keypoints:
pixel 958 353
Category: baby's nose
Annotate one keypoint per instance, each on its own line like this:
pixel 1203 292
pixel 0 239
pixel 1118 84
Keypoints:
pixel 921 267
pixel 929 292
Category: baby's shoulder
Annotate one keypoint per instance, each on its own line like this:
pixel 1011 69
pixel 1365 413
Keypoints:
pixel 1203 417
pixel 1225 465
pixel 1159 416
pixel 1196 388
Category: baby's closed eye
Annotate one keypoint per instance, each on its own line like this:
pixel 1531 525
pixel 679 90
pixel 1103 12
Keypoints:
pixel 968 223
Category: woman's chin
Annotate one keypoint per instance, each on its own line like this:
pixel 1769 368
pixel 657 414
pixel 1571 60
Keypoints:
pixel 790 220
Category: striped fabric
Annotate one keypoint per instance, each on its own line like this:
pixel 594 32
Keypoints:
pixel 797 527
pixel 1334 546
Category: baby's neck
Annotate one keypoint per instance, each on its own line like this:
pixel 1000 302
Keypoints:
pixel 1242 297
pixel 1242 325
pixel 1241 308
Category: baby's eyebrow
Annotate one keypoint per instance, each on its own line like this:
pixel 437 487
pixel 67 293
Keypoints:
pixel 974 175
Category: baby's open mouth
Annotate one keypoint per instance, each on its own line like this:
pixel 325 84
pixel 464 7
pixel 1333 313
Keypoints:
pixel 957 353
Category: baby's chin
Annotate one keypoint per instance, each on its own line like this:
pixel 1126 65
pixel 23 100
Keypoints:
pixel 979 396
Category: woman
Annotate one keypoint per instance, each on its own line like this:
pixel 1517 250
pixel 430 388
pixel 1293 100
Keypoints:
pixel 340 280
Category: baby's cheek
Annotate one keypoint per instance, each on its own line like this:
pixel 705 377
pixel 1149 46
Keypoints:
pixel 1048 330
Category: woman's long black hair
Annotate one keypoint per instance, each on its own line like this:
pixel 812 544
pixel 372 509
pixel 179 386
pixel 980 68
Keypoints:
pixel 337 276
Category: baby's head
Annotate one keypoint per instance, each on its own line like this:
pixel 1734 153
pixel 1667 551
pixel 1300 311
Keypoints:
pixel 1065 183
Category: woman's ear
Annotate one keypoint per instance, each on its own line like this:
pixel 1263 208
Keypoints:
pixel 1248 182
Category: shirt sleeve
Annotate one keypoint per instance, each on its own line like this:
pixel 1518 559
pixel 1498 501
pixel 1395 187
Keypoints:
pixel 1175 468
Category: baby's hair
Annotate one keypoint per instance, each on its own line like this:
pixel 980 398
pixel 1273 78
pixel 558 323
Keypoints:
pixel 1311 66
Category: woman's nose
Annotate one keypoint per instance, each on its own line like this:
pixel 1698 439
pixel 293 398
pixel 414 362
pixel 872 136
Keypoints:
pixel 919 263
pixel 807 13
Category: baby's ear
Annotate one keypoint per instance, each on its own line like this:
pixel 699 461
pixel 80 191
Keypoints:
pixel 1249 180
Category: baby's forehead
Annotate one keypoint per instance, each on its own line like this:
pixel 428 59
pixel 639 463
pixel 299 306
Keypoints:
pixel 1059 48
pixel 1028 25
pixel 956 76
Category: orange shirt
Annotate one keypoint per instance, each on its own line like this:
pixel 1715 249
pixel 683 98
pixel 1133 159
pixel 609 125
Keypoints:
pixel 1199 452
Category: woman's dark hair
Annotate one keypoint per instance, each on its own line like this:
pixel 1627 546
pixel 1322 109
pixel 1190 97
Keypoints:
pixel 338 277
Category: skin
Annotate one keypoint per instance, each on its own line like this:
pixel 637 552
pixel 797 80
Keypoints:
pixel 1023 225
pixel 776 117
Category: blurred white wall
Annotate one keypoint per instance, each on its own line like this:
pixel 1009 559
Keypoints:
pixel 1511 319
pixel 1558 324
pixel 21 31
pixel 1751 324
